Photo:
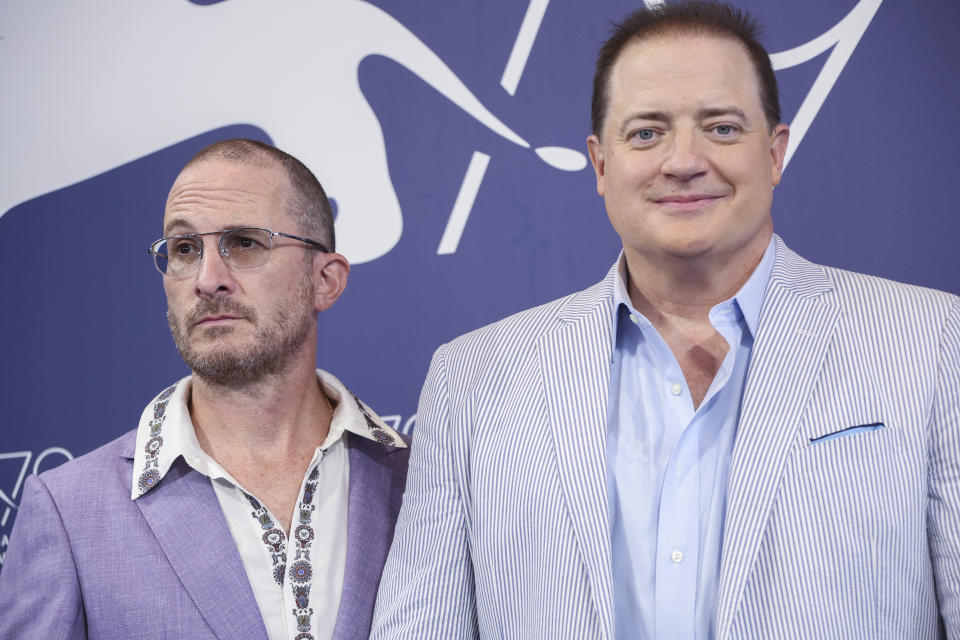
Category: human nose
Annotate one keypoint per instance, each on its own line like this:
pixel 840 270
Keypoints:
pixel 214 277
pixel 685 157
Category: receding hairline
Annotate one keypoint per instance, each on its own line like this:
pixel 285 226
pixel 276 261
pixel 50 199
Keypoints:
pixel 306 201
pixel 252 155
pixel 267 162
pixel 256 158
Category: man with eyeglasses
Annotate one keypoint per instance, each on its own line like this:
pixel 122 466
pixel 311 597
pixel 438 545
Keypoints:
pixel 257 497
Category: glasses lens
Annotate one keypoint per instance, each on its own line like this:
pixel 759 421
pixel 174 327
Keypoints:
pixel 181 255
pixel 246 248
pixel 159 251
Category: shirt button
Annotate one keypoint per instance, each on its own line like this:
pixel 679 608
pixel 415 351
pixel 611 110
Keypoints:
pixel 634 319
pixel 676 389
pixel 677 557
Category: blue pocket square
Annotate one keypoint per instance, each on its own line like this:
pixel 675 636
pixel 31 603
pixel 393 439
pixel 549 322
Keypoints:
pixel 849 431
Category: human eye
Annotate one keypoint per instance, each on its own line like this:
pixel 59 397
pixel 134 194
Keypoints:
pixel 643 136
pixel 246 240
pixel 182 248
pixel 245 248
pixel 725 130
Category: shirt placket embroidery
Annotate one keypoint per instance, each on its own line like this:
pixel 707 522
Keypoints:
pixel 301 570
pixel 273 537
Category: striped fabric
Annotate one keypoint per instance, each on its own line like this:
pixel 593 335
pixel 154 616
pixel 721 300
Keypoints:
pixel 504 533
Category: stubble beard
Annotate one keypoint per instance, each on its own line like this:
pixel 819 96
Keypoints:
pixel 267 354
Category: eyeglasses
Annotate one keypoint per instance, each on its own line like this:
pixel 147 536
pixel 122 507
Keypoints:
pixel 244 248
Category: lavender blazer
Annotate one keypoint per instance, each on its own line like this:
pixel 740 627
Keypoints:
pixel 86 561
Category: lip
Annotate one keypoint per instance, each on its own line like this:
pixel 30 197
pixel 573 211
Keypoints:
pixel 214 320
pixel 688 201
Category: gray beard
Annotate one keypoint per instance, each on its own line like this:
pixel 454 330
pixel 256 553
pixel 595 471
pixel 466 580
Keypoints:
pixel 270 352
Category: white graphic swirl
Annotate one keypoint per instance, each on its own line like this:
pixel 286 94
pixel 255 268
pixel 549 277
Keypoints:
pixel 99 84
pixel 92 86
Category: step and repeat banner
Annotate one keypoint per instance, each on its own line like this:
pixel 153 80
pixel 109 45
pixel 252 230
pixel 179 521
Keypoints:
pixel 450 135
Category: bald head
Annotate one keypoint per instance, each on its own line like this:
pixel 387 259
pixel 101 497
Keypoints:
pixel 307 202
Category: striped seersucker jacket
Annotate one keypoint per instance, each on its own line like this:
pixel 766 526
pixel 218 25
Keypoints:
pixel 843 510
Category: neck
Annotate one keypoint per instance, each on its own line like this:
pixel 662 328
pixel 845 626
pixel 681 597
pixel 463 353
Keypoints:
pixel 272 421
pixel 662 287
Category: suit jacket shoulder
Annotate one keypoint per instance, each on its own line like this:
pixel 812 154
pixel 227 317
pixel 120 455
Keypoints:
pixel 873 293
pixel 86 560
pixel 879 324
pixel 101 468
pixel 503 342
pixel 40 584
pixel 868 292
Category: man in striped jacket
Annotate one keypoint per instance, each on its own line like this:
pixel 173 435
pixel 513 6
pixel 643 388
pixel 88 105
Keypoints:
pixel 720 439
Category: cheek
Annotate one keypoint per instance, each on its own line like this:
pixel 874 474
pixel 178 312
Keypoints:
pixel 625 179
pixel 176 302
pixel 755 167
pixel 171 294
pixel 759 176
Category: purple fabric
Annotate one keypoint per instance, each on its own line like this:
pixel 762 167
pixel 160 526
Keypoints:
pixel 378 475
pixel 85 561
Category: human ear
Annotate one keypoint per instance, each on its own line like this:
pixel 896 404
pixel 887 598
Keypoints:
pixel 330 271
pixel 779 139
pixel 595 147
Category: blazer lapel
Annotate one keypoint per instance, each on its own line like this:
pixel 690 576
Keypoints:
pixel 575 365
pixel 186 519
pixel 793 337
pixel 373 503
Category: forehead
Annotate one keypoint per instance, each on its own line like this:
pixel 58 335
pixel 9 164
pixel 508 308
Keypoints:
pixel 214 193
pixel 685 70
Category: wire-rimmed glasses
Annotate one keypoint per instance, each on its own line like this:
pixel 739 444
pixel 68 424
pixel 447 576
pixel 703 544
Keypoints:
pixel 242 248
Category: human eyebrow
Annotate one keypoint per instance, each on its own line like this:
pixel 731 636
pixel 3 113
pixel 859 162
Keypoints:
pixel 177 224
pixel 658 116
pixel 184 227
pixel 716 112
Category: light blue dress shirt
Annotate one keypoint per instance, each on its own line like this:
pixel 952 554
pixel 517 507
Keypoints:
pixel 667 467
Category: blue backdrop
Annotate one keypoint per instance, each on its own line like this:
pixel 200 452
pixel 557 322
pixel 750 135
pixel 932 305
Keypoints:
pixel 427 121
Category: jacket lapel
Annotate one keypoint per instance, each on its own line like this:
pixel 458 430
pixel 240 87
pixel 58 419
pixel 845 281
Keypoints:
pixel 796 325
pixel 185 516
pixel 575 365
pixel 373 503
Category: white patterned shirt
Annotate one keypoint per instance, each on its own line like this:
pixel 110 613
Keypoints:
pixel 296 576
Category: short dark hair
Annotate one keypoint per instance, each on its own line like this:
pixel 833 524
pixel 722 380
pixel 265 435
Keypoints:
pixel 308 205
pixel 686 17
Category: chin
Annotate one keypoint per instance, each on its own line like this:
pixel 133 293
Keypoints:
pixel 688 246
pixel 216 332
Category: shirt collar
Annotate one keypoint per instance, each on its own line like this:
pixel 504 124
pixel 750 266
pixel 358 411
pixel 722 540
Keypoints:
pixel 353 415
pixel 165 432
pixel 749 298
pixel 750 295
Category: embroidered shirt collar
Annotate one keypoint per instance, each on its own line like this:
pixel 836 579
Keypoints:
pixel 165 432
pixel 747 300
pixel 353 415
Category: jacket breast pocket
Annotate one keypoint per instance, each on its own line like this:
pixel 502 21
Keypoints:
pixel 846 432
